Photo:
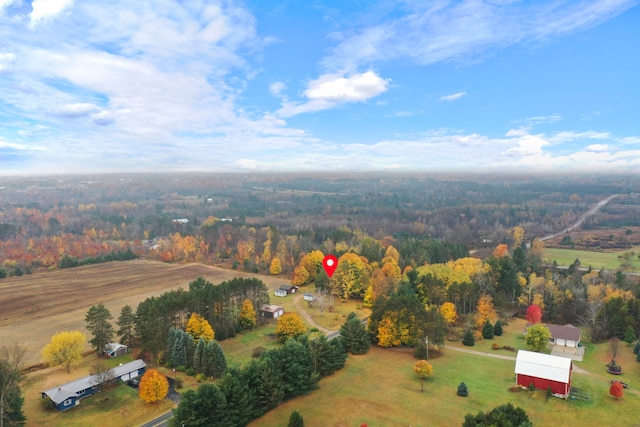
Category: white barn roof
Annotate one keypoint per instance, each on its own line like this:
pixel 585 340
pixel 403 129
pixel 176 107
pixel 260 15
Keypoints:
pixel 545 366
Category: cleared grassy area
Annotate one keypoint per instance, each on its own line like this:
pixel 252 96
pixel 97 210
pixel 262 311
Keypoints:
pixel 379 389
pixel 597 260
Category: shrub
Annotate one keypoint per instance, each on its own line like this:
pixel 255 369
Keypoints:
pixel 178 383
pixel 191 372
pixel 201 377
pixel 487 330
pixel 421 351
pixel 468 339
pixel 616 389
pixel 495 346
pixel 532 387
pixel 636 349
pixel 257 352
pixel 462 390
pixel 497 329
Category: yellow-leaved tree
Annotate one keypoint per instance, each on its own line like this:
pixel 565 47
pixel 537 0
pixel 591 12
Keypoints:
pixel 300 276
pixel 153 386
pixel 423 370
pixel 352 276
pixel 289 325
pixel 485 311
pixel 247 315
pixel 276 267
pixel 65 349
pixel 198 327
pixel 448 311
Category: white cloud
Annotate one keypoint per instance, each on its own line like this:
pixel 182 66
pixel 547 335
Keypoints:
pixel 430 32
pixel 354 88
pixel 453 96
pixel 276 88
pixel 597 148
pixel 247 163
pixel 47 9
pixel 78 109
pixel 5 61
pixel 103 118
pixel 330 90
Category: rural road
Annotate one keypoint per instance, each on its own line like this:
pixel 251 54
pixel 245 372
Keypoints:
pixel 308 318
pixel 580 220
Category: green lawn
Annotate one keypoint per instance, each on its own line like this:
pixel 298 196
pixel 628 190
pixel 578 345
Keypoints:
pixel 597 260
pixel 379 389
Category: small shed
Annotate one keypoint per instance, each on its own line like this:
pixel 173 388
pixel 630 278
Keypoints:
pixel 280 293
pixel 289 289
pixel 114 349
pixel 544 371
pixel 271 311
pixel 309 297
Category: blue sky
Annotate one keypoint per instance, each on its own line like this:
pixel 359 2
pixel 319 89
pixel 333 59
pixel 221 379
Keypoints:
pixel 161 85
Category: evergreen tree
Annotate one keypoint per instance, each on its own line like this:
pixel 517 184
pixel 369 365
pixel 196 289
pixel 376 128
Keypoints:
pixel 497 329
pixel 629 335
pixel 171 341
pixel 204 407
pixel 180 353
pixel 269 387
pixel 503 415
pixel 126 323
pixel 219 366
pixel 487 330
pixel 208 359
pixel 97 319
pixel 295 420
pixel 198 356
pixel 326 356
pixel 293 364
pixel 421 352
pixel 354 335
pixel 235 388
pixel 462 390
pixel 468 339
pixel 11 400
pixel 636 349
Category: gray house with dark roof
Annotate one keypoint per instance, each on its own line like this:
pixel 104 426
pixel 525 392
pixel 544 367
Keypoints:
pixel 68 395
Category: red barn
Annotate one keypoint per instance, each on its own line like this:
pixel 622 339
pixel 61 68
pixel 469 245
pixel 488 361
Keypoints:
pixel 544 371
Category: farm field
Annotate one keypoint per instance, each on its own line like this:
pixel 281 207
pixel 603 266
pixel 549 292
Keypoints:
pixel 597 260
pixel 34 307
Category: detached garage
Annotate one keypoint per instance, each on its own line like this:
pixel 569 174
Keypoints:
pixel 544 371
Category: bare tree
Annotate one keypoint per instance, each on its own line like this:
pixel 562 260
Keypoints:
pixel 102 375
pixel 323 299
pixel 613 347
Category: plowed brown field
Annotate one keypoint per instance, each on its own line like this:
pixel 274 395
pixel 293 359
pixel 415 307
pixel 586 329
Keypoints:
pixel 34 307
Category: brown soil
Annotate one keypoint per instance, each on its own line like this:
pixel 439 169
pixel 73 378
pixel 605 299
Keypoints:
pixel 34 307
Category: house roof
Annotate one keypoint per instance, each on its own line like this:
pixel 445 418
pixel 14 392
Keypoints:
pixel 545 366
pixel 287 287
pixel 61 393
pixel 567 332
pixel 113 346
pixel 271 308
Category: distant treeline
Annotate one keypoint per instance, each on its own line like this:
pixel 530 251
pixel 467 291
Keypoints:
pixel 69 261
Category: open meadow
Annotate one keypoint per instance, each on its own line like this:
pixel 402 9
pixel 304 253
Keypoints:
pixel 380 389
pixel 597 260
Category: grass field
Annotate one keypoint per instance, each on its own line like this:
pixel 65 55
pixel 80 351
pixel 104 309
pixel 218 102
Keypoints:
pixel 379 389
pixel 597 260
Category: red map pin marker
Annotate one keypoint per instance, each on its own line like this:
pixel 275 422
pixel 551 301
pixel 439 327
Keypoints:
pixel 330 262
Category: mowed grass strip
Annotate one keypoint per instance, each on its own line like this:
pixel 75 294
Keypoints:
pixel 380 389
pixel 597 260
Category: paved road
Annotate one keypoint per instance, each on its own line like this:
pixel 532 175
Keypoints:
pixel 161 421
pixel 580 220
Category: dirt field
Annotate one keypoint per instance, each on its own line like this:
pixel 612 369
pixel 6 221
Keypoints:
pixel 34 307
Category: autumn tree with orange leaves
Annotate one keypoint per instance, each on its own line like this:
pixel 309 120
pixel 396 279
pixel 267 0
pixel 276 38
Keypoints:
pixel 153 386
pixel 485 311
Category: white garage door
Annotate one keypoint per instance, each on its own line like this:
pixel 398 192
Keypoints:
pixel 560 341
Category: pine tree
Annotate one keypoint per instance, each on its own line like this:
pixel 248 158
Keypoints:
pixel 497 329
pixel 354 335
pixel 97 319
pixel 295 420
pixel 487 330
pixel 468 339
pixel 629 335
pixel 326 356
pixel 219 361
pixel 126 323
pixel 269 388
pixel 462 390
pixel 239 400
pixel 198 356
pixel 171 341
pixel 208 359
pixel 636 349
